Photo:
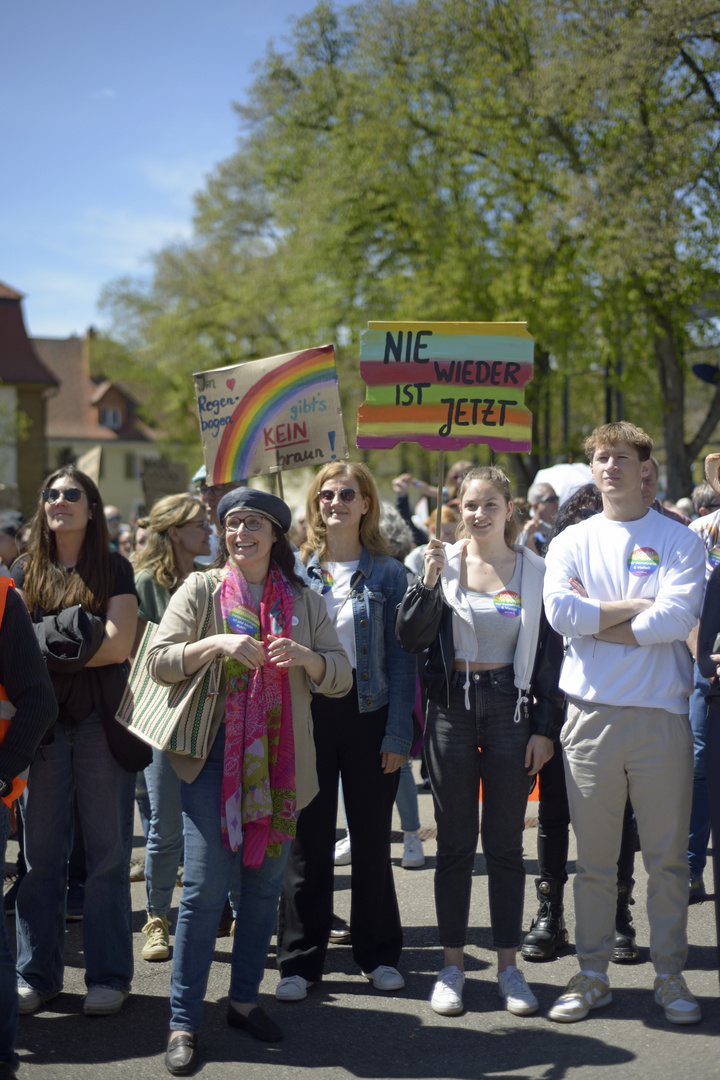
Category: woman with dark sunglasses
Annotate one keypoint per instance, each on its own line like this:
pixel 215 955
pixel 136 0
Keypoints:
pixel 82 598
pixel 364 741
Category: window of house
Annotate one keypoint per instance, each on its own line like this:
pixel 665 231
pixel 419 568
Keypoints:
pixel 132 470
pixel 111 418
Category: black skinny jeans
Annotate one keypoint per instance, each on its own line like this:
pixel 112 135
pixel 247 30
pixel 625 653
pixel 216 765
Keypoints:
pixel 455 766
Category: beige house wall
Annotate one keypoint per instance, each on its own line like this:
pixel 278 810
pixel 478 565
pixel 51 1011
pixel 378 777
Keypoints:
pixel 31 462
pixel 116 487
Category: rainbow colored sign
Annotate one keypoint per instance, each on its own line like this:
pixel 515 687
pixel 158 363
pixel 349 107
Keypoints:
pixel 261 416
pixel 445 385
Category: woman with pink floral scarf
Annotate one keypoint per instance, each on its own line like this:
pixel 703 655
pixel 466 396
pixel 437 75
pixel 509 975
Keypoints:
pixel 276 647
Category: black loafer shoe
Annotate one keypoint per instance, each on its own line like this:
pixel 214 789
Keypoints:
pixel 181 1057
pixel 339 931
pixel 256 1023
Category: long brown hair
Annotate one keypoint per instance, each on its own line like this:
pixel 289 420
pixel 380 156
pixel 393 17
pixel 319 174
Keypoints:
pixel 53 587
pixel 158 556
pixel 491 475
pixel 370 536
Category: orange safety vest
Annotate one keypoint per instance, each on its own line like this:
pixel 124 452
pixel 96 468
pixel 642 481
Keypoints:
pixel 7 710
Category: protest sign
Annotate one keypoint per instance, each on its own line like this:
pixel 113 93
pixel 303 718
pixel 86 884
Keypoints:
pixel 161 478
pixel 261 416
pixel 91 463
pixel 445 385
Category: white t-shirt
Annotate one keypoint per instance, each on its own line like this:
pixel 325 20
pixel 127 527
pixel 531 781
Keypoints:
pixel 654 558
pixel 337 578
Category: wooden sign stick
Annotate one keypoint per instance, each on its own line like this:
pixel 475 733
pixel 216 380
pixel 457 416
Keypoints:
pixel 441 478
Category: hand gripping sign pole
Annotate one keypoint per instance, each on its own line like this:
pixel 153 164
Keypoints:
pixel 444 385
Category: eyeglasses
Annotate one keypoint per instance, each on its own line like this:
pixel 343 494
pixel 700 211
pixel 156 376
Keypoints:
pixel 252 524
pixel 347 495
pixel 204 524
pixel 52 495
pixel 545 499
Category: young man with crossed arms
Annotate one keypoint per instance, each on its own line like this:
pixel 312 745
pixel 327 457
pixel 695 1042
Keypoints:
pixel 625 588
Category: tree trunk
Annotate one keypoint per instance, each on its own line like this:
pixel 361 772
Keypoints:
pixel 669 365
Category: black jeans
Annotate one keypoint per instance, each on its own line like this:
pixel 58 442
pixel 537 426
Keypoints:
pixel 347 743
pixel 454 738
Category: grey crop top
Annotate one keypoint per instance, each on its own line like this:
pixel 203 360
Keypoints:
pixel 496 617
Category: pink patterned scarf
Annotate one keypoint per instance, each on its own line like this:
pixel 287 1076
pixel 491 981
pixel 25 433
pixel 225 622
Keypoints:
pixel 258 803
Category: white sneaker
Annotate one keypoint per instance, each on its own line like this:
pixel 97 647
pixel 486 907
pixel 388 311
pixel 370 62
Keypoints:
pixel 385 978
pixel 292 988
pixel 671 992
pixel 519 998
pixel 413 854
pixel 446 997
pixel 30 1000
pixel 343 854
pixel 583 993
pixel 104 1001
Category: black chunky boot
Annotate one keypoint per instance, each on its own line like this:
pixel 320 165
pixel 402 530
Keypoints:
pixel 547 934
pixel 625 950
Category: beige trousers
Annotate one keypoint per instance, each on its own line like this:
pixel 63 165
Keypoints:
pixel 610 752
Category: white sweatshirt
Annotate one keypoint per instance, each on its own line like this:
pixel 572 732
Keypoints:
pixel 653 557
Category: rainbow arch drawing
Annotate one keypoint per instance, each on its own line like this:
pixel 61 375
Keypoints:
pixel 270 387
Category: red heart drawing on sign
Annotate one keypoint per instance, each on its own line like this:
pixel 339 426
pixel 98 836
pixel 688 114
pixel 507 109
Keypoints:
pixel 230 383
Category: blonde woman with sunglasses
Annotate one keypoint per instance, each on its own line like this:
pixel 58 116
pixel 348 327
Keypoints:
pixel 364 741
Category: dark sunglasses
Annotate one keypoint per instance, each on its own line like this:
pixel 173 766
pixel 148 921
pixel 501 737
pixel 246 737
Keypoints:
pixel 52 495
pixel 347 495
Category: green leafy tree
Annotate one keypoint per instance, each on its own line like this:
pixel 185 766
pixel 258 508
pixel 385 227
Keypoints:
pixel 543 160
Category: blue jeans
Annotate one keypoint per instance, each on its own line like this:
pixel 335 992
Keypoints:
pixel 143 803
pixel 8 982
pixel 209 869
pixel 452 738
pixel 406 800
pixel 165 835
pixel 700 813
pixel 78 759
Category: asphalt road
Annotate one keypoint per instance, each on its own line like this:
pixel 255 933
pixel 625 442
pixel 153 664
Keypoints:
pixel 345 1029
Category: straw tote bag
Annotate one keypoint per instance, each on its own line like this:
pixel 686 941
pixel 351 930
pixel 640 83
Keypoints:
pixel 176 717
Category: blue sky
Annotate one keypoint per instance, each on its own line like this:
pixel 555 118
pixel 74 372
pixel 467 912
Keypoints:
pixel 111 115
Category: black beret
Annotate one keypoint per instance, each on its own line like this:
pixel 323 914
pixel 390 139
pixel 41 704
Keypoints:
pixel 245 498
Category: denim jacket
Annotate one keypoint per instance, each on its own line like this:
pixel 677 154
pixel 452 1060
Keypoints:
pixel 386 674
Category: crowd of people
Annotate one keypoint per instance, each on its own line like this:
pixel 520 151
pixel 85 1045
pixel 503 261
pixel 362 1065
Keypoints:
pixel 574 638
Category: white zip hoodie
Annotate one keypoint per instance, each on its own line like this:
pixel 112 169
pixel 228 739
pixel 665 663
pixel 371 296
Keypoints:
pixel 464 640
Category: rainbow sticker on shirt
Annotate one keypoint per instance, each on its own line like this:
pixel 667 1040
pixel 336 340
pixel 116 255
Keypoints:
pixel 327 581
pixel 507 603
pixel 714 557
pixel 243 620
pixel 643 562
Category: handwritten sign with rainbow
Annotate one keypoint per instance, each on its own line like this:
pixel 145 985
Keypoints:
pixel 261 416
pixel 445 385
